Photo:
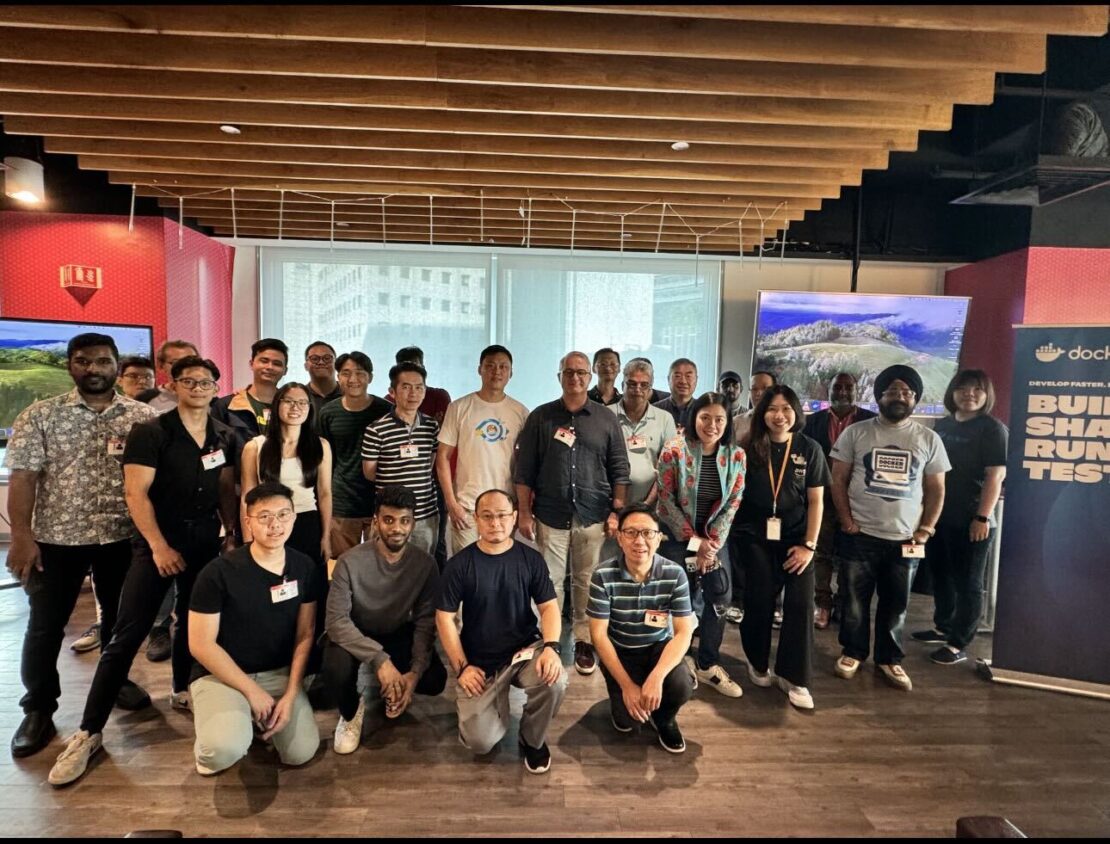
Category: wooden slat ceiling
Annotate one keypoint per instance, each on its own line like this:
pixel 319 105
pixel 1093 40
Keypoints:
pixel 466 124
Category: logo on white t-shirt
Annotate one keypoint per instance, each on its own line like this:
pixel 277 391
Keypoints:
pixel 491 430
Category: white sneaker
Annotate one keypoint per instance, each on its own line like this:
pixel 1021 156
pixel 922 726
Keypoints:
pixel 896 676
pixel 799 695
pixel 718 678
pixel 846 667
pixel 348 734
pixel 182 701
pixel 693 669
pixel 74 760
pixel 734 614
pixel 764 680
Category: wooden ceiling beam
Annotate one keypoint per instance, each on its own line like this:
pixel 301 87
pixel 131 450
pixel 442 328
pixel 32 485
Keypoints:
pixel 321 139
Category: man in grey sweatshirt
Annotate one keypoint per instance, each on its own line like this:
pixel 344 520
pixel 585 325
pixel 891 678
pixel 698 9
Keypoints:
pixel 381 612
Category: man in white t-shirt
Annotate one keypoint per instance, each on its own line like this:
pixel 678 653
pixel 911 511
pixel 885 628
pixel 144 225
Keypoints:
pixel 476 443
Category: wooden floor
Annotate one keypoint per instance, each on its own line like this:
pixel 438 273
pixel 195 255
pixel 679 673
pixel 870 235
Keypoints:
pixel 869 761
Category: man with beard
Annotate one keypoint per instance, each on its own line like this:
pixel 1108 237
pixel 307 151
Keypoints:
pixel 731 386
pixel 64 455
pixel 888 488
pixel 825 428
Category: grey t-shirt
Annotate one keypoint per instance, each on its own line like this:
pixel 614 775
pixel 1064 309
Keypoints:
pixel 888 465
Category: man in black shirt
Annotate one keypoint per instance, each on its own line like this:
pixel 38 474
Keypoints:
pixel 319 360
pixel 179 482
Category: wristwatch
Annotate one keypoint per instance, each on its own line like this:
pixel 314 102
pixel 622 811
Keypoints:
pixel 554 646
pixel 984 519
pixel 927 529
pixel 812 546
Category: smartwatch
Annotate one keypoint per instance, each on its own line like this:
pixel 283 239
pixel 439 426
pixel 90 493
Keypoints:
pixel 812 546
pixel 984 519
pixel 554 646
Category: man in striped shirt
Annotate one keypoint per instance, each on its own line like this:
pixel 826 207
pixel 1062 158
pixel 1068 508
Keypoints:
pixel 636 600
pixel 400 448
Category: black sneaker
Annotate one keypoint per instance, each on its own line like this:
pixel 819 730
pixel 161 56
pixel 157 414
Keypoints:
pixel 158 645
pixel 670 737
pixel 536 759
pixel 944 656
pixel 585 660
pixel 620 721
pixel 930 637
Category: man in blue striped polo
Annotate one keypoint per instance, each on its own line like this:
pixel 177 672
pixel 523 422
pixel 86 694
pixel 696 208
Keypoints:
pixel 641 623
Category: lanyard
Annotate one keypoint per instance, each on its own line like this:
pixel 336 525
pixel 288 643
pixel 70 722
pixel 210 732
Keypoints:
pixel 775 487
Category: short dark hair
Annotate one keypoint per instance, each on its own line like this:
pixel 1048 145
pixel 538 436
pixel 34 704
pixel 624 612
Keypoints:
pixel 681 362
pixel 406 366
pixel 361 359
pixel 87 341
pixel 495 349
pixel 396 496
pixel 138 361
pixel 962 379
pixel 269 343
pixel 841 374
pixel 316 343
pixel 607 351
pixel 774 378
pixel 267 489
pixel 508 494
pixel 409 354
pixel 633 509
pixel 190 361
pixel 700 403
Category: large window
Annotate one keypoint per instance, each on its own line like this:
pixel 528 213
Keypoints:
pixel 539 306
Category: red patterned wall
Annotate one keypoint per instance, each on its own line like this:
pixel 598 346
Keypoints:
pixel 1067 286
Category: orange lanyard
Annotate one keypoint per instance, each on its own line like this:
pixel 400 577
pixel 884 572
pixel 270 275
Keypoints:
pixel 775 487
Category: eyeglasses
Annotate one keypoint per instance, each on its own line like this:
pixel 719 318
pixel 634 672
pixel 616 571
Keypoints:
pixel 321 359
pixel 496 517
pixel 131 376
pixel 267 518
pixel 575 373
pixel 637 385
pixel 299 404
pixel 631 534
pixel 356 375
pixel 898 393
pixel 204 385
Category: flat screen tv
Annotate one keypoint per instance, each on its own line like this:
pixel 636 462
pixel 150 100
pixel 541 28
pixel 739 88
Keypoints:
pixel 807 338
pixel 33 359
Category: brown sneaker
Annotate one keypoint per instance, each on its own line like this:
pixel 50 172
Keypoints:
pixel 585 660
pixel 821 618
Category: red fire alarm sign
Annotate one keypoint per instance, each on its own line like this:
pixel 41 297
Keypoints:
pixel 76 276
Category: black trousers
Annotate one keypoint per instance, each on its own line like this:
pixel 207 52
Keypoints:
pixel 143 592
pixel 341 670
pixel 678 687
pixel 305 537
pixel 959 566
pixel 52 594
pixel 766 578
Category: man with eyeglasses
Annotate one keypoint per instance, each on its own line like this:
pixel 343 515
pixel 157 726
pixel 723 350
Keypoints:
pixel 323 387
pixel 248 410
pixel 888 488
pixel 343 424
pixel 400 448
pixel 169 353
pixel 683 381
pixel 607 365
pixel 571 474
pixel 497 581
pixel 641 622
pixel 478 436
pixel 67 513
pixel 136 377
pixel 179 481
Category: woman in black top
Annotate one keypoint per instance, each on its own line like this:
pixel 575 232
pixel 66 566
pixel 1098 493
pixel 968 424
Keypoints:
pixel 957 555
pixel 778 524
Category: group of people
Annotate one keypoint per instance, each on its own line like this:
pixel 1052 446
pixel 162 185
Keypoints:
pixel 315 530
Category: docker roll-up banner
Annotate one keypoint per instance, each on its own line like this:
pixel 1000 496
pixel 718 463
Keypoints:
pixel 1053 623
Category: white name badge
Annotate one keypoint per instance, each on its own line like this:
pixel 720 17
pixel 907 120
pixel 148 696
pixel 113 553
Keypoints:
pixel 283 592
pixel 213 460
pixel 115 446
pixel 774 529
pixel 656 618
pixel 694 544
pixel 410 451
pixel 523 655
pixel 636 442
pixel 912 549
pixel 566 437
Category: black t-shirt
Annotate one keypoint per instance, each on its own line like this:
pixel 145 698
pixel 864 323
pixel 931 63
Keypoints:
pixel 807 469
pixel 257 632
pixel 972 446
pixel 496 593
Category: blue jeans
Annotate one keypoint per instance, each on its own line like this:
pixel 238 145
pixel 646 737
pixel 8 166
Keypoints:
pixel 711 595
pixel 874 565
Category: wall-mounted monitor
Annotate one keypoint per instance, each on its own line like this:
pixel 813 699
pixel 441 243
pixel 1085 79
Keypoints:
pixel 807 338
pixel 33 359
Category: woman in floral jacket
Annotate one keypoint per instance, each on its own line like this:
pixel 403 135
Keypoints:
pixel 700 483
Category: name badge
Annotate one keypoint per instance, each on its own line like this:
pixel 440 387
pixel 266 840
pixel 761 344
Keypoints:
pixel 774 529
pixel 409 451
pixel 912 549
pixel 214 459
pixel 566 437
pixel 694 544
pixel 115 446
pixel 523 655
pixel 636 442
pixel 283 592
pixel 656 618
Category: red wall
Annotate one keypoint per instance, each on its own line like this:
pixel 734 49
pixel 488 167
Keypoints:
pixel 1067 286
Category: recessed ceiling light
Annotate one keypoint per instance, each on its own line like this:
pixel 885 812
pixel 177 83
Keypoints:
pixel 341 223
pixel 680 146
pixel 626 235
pixel 229 129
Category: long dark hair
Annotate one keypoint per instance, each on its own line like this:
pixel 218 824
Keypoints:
pixel 757 443
pixel 309 450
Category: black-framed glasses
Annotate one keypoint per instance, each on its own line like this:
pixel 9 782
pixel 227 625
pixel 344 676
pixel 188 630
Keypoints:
pixel 300 404
pixel 205 385
pixel 631 534
pixel 321 360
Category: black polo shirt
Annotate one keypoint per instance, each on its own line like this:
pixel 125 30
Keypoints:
pixel 577 479
pixel 183 490
pixel 594 394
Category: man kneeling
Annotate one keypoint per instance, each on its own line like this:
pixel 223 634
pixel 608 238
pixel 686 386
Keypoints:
pixel 634 600
pixel 250 632
pixel 496 580
pixel 381 611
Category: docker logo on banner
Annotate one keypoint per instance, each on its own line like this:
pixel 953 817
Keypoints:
pixel 1048 353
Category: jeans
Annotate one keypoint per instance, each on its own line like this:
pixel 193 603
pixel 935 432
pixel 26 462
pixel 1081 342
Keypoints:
pixel 52 594
pixel 871 565
pixel 425 534
pixel 582 543
pixel 958 568
pixel 143 591
pixel 710 594
pixel 678 687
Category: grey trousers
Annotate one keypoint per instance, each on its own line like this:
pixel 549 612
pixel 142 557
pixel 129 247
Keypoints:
pixel 425 533
pixel 484 720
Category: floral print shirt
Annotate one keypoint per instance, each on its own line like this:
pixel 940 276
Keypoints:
pixel 677 485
